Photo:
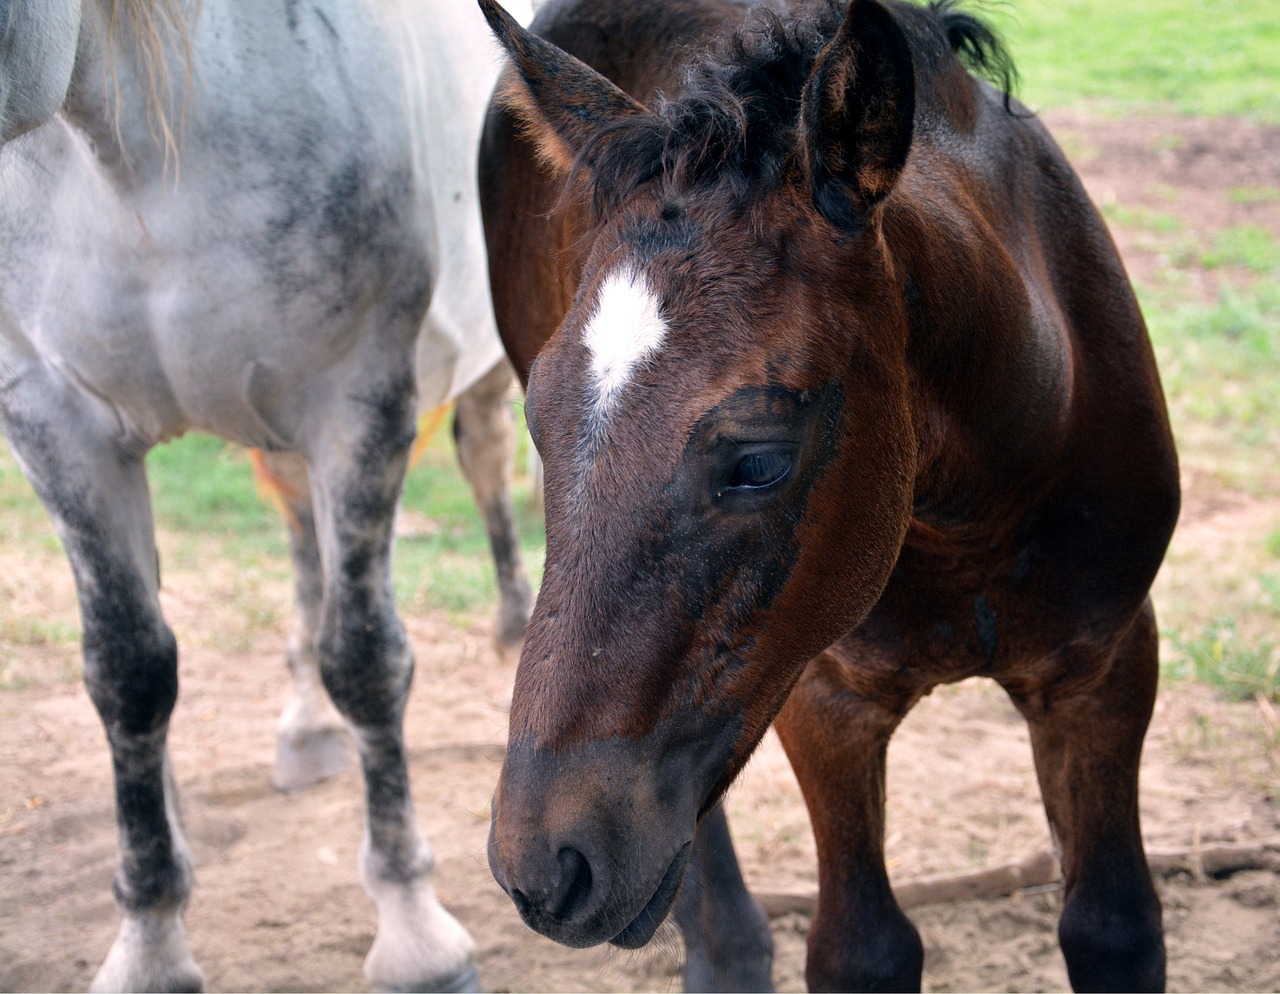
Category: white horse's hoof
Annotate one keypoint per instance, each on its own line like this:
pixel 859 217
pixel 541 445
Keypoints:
pixel 465 982
pixel 177 981
pixel 419 946
pixel 307 758
pixel 149 954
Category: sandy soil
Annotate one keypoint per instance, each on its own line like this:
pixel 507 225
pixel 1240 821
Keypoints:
pixel 1182 167
pixel 278 904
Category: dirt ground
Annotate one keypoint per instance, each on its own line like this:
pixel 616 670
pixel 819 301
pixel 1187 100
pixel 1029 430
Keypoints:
pixel 278 905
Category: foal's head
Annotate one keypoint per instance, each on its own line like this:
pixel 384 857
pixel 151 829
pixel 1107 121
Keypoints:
pixel 723 418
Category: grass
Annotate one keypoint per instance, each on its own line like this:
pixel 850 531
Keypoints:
pixel 1219 362
pixel 1207 57
pixel 1253 194
pixel 1241 668
pixel 202 483
pixel 22 519
pixel 204 486
pixel 1140 217
pixel 1220 604
pixel 214 529
pixel 27 630
pixel 1270 585
pixel 449 566
pixel 1245 245
pixel 35 649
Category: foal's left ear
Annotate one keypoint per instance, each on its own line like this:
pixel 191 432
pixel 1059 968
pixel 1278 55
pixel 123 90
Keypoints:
pixel 563 102
pixel 856 115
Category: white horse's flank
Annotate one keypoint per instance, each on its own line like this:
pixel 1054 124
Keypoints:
pixel 269 287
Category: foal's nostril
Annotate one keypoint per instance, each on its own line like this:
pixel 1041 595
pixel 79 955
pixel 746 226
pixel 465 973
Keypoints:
pixel 522 903
pixel 574 886
pixel 566 889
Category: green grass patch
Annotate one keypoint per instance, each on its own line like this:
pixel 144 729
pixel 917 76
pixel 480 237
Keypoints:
pixel 1246 245
pixel 1204 57
pixel 205 485
pixel 1240 668
pixel 1253 194
pixel 1218 363
pixel 203 488
pixel 22 520
pixel 199 485
pixel 29 631
pixel 1271 593
pixel 18 673
pixel 449 566
pixel 1141 217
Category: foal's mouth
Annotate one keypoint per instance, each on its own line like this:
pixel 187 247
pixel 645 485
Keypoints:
pixel 642 927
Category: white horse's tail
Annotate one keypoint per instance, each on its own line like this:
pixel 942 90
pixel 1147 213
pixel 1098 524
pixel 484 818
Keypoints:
pixel 154 30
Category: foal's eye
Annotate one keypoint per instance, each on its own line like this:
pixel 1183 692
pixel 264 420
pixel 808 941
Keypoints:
pixel 761 469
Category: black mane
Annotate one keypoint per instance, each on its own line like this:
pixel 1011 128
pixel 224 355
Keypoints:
pixel 735 118
pixel 977 45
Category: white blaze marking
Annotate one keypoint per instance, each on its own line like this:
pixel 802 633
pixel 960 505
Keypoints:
pixel 626 327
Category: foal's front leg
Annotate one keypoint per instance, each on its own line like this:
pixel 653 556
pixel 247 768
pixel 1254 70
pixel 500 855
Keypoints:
pixel 367 665
pixel 726 933
pixel 1088 714
pixel 835 728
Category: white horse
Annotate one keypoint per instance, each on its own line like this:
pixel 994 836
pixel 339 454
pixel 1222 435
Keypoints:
pixel 233 218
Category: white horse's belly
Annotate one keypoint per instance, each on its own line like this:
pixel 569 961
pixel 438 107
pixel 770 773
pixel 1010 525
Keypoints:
pixel 174 334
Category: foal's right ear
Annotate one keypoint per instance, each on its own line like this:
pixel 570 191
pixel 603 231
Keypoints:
pixel 856 115
pixel 562 101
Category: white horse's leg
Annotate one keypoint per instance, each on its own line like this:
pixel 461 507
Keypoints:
pixel 485 437
pixel 312 742
pixel 95 489
pixel 367 665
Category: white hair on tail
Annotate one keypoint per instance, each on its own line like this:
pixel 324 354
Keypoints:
pixel 152 27
pixel 626 328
